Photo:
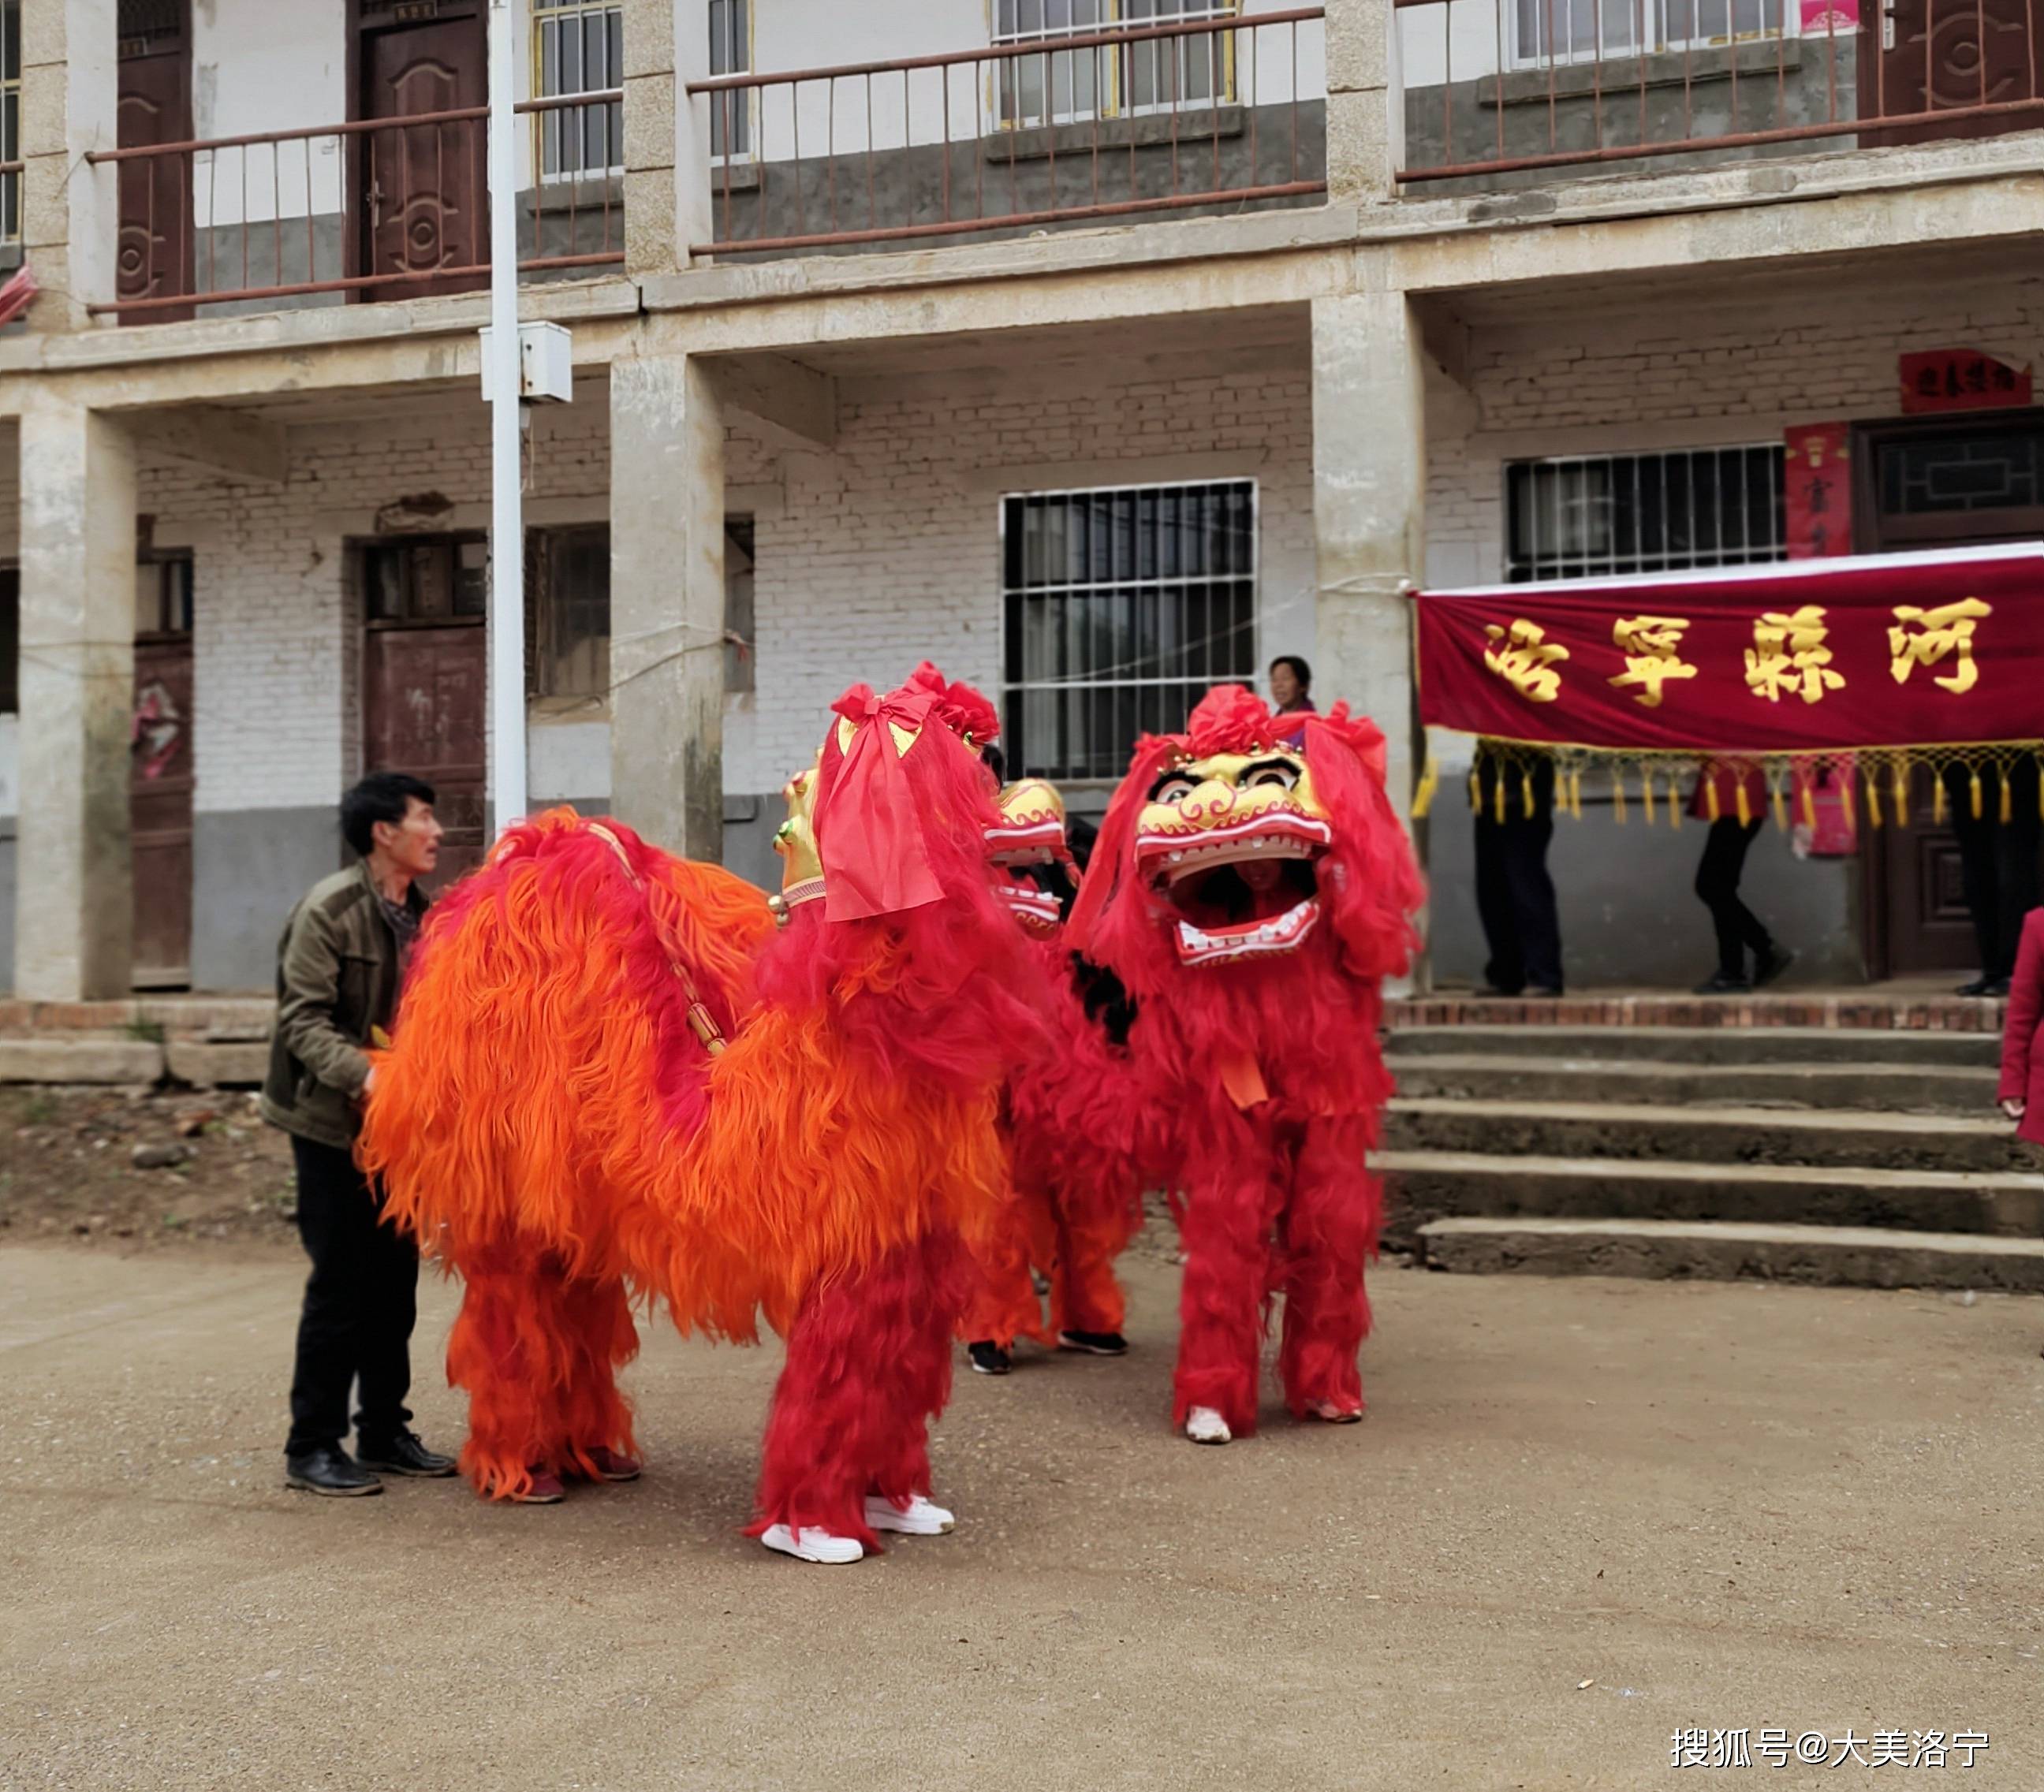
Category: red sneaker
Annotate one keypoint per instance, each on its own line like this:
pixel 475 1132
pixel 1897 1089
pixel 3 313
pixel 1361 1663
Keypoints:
pixel 610 1466
pixel 545 1489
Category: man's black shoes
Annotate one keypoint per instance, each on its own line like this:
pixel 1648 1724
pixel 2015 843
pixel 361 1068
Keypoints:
pixel 1093 1344
pixel 405 1454
pixel 987 1357
pixel 331 1471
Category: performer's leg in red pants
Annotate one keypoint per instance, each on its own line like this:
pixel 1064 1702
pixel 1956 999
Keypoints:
pixel 869 1366
pixel 1226 1235
pixel 1329 1230
pixel 1004 1305
pixel 1086 1295
pixel 538 1354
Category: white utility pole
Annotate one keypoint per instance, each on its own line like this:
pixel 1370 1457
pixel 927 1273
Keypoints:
pixel 504 381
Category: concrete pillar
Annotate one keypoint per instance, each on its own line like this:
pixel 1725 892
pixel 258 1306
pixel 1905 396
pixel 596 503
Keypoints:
pixel 666 603
pixel 653 239
pixel 1365 100
pixel 73 905
pixel 1369 488
pixel 70 211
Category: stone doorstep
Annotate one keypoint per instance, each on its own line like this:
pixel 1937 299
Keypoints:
pixel 1749 1048
pixel 1935 1014
pixel 1860 1257
pixel 240 1016
pixel 1421 1187
pixel 84 1059
pixel 1562 1076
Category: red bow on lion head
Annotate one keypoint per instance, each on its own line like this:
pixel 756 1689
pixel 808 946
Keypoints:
pixel 873 816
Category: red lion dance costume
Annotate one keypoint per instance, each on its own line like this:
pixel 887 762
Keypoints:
pixel 1075 1199
pixel 1251 897
pixel 560 1120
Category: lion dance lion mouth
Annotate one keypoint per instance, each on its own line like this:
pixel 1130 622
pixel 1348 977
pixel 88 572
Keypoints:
pixel 1031 834
pixel 1231 843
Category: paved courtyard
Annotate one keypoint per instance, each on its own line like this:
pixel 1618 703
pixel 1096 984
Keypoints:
pixel 1581 1516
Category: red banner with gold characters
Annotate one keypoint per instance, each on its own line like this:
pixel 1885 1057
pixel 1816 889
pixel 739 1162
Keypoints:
pixel 1901 650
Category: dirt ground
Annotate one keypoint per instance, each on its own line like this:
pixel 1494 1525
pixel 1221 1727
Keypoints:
pixel 1581 1516
pixel 67 1169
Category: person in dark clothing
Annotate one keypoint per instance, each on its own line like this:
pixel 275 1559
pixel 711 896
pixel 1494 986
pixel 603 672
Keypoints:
pixel 339 966
pixel 1515 896
pixel 1725 846
pixel 1997 862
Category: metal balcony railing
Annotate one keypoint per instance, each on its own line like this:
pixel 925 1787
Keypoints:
pixel 375 207
pixel 1514 86
pixel 1221 110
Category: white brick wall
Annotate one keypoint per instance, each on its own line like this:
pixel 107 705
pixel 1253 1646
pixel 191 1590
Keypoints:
pixel 888 550
pixel 1667 381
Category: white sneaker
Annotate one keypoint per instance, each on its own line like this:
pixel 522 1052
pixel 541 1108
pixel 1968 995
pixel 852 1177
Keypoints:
pixel 1204 1425
pixel 1333 1414
pixel 921 1519
pixel 810 1544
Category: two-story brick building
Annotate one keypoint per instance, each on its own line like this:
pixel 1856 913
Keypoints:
pixel 1098 348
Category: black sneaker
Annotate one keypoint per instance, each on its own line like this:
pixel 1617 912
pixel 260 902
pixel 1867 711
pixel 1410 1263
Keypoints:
pixel 331 1471
pixel 1718 984
pixel 1980 986
pixel 404 1455
pixel 1094 1344
pixel 1996 986
pixel 988 1358
pixel 1778 959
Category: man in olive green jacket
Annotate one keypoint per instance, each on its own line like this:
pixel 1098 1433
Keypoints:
pixel 339 966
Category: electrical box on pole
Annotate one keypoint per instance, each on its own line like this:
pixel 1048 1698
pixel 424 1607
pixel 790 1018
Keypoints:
pixel 546 364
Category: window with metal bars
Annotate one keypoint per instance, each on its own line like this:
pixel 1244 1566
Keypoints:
pixel 1592 515
pixel 578 47
pixel 1068 86
pixel 10 120
pixel 1600 30
pixel 731 53
pixel 1121 609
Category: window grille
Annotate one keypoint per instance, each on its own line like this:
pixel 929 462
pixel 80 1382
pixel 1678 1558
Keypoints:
pixel 1159 75
pixel 1591 30
pixel 1121 609
pixel 10 640
pixel 10 120
pixel 731 53
pixel 1593 515
pixel 578 47
pixel 1997 469
pixel 568 612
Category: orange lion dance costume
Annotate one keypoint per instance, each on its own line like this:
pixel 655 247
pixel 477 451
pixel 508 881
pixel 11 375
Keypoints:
pixel 561 1119
pixel 1075 1200
pixel 1251 897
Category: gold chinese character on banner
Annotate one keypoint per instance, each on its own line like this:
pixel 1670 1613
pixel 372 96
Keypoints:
pixel 1948 630
pixel 1789 654
pixel 1653 650
pixel 1526 660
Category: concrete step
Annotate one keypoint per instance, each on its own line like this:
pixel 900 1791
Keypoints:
pixel 1704 1135
pixel 1421 1187
pixel 1858 1256
pixel 1530 1074
pixel 1705 1045
pixel 76 1058
pixel 218 1064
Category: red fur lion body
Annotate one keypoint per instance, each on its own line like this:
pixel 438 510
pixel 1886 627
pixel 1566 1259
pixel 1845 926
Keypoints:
pixel 1259 1076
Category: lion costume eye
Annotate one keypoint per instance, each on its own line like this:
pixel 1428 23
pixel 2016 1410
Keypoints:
pixel 1172 787
pixel 1270 774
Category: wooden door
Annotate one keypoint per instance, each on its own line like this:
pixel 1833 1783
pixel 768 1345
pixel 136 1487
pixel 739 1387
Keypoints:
pixel 155 257
pixel 1924 923
pixel 423 197
pixel 1961 482
pixel 162 775
pixel 1936 55
pixel 424 692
